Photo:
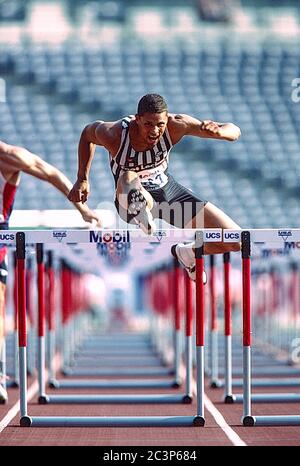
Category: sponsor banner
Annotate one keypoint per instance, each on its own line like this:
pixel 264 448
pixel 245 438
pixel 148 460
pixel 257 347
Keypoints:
pixel 287 238
pixel 268 236
pixel 170 236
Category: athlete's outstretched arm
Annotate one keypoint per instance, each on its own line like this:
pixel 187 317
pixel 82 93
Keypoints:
pixel 20 159
pixel 190 126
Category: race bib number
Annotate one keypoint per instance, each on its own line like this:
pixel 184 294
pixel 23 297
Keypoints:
pixel 153 178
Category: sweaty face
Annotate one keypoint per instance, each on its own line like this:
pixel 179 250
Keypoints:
pixel 152 126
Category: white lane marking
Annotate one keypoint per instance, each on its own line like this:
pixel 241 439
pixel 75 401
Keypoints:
pixel 220 420
pixel 231 434
pixel 31 392
pixel 33 389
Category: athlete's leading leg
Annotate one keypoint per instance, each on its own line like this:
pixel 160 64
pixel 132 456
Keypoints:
pixel 215 218
pixel 136 201
pixel 208 217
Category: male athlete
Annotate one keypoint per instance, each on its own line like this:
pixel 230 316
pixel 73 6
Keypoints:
pixel 139 148
pixel 13 161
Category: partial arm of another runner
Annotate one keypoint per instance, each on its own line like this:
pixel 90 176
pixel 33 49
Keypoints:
pixel 21 160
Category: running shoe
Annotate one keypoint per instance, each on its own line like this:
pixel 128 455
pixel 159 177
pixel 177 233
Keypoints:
pixel 137 207
pixel 190 268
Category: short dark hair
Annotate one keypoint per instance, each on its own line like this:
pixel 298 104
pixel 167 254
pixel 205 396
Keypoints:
pixel 152 103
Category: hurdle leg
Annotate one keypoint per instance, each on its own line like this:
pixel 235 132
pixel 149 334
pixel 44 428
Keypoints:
pixel 21 294
pixel 189 337
pixel 246 271
pixel 41 321
pixel 199 419
pixel 177 323
pixel 3 367
pixel 215 382
pixel 228 397
pixel 51 316
pixel 16 378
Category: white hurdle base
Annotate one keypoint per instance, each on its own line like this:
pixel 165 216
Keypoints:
pixel 113 384
pixel 252 421
pixel 266 398
pixel 121 421
pixel 121 372
pixel 264 382
pixel 114 399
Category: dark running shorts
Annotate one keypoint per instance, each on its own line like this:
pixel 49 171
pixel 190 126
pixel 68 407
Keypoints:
pixel 174 203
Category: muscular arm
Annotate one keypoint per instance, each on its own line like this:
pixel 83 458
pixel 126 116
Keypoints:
pixel 186 125
pixel 19 159
pixel 97 133
pixel 91 136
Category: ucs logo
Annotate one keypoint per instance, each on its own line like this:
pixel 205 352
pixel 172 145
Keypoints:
pixel 228 235
pixel 7 237
pixel 212 235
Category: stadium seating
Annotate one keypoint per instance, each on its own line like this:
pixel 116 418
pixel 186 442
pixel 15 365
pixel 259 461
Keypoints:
pixel 53 92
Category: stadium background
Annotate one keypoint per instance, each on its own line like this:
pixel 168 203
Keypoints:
pixel 66 63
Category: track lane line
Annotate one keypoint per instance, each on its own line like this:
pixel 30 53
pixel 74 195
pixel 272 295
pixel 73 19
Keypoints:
pixel 32 390
pixel 220 420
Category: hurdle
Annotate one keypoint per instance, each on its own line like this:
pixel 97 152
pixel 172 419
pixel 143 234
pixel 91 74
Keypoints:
pixel 129 384
pixel 45 398
pixel 228 383
pixel 246 237
pixel 39 237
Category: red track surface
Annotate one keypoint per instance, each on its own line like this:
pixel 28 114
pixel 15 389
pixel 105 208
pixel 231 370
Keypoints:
pixel 211 434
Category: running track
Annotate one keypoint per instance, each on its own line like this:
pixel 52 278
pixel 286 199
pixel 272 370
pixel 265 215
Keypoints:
pixel 223 424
